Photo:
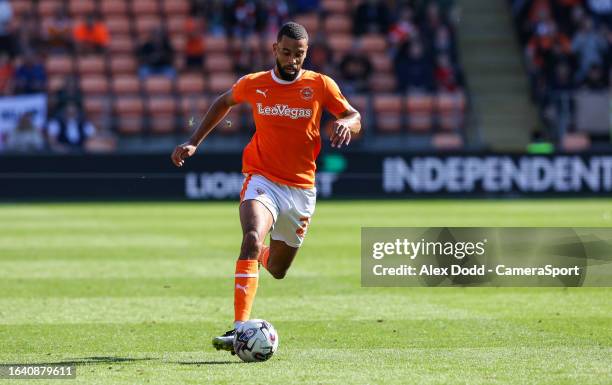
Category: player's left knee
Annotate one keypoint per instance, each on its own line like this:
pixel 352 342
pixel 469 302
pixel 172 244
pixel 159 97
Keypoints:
pixel 278 273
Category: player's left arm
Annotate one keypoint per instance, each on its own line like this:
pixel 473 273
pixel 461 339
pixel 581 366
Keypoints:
pixel 347 123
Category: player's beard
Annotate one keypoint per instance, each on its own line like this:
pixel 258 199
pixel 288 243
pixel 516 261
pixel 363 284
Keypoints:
pixel 285 75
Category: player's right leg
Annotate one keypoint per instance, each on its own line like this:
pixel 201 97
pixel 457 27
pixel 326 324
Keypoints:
pixel 256 220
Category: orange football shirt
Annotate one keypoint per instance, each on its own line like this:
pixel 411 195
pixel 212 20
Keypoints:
pixel 287 115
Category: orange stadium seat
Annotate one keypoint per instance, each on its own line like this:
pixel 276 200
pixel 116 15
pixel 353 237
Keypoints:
pixel 340 44
pixel 113 7
pixel 175 24
pixel 94 85
pixel 126 84
pixel 122 44
pixel 221 82
pixel 338 24
pixel 162 114
pixel 146 24
pixel 91 64
pixel 158 84
pixel 216 44
pixel 420 112
pixel 190 84
pixel 174 7
pixel 310 21
pixel 47 8
pixel 81 7
pixel 145 7
pixel 55 83
pixel 178 43
pixel 123 64
pixel 450 108
pixel 59 65
pixel 374 43
pixel 118 25
pixel 98 109
pixel 129 111
pixel 335 6
pixel 382 82
pixel 381 62
pixel 193 107
pixel 218 63
pixel 388 111
pixel 447 141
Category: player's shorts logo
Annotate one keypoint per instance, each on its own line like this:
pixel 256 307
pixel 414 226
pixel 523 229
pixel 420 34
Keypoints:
pixel 306 93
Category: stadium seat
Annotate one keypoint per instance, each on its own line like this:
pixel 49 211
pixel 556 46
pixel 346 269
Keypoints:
pixel 190 84
pixel 340 44
pixel 374 43
pixel 118 25
pixel 310 21
pixel 145 7
pixel 98 110
pixel 388 111
pixel 335 6
pixel 162 114
pixel 218 63
pixel 55 83
pixel 176 24
pixel 221 82
pixel 81 7
pixel 129 112
pixel 95 85
pixel 447 141
pixel 91 64
pixel 145 24
pixel 419 109
pixel 575 142
pixel 59 65
pixel 381 62
pixel 337 24
pixel 216 44
pixel 126 85
pixel 193 107
pixel 382 83
pixel 158 84
pixel 21 7
pixel 450 108
pixel 121 44
pixel 175 7
pixel 178 43
pixel 47 8
pixel 123 64
pixel 113 7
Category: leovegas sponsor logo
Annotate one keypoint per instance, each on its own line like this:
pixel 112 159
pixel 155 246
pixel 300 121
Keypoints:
pixel 284 110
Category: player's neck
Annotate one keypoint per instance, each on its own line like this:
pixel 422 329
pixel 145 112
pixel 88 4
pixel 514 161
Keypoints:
pixel 276 76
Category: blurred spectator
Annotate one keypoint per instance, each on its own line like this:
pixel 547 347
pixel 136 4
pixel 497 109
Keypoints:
pixel 91 35
pixel 30 76
pixel 243 19
pixel 6 15
pixel 247 58
pixel 69 93
pixel 320 58
pixel 6 74
pixel 413 68
pixel 194 47
pixel 58 35
pixel 28 37
pixel 156 55
pixel 447 78
pixel 275 14
pixel 558 107
pixel 355 71
pixel 25 137
pixel 542 43
pixel 601 9
pixel 304 6
pixel 443 44
pixel 217 13
pixel 371 16
pixel 404 29
pixel 590 47
pixel 595 79
pixel 70 130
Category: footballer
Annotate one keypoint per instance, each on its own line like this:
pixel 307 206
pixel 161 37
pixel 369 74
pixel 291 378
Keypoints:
pixel 278 194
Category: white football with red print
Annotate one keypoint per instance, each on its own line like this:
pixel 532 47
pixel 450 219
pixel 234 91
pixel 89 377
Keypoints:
pixel 255 340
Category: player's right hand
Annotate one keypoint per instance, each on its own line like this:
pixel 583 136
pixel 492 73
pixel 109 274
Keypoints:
pixel 182 152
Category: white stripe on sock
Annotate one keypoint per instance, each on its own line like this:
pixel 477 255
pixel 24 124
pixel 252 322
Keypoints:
pixel 242 275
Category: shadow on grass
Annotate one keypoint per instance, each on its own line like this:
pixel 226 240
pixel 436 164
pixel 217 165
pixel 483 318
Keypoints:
pixel 96 360
pixel 207 362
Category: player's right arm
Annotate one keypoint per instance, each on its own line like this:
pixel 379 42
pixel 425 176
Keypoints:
pixel 217 111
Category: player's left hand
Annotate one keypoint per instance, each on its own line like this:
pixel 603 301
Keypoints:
pixel 341 134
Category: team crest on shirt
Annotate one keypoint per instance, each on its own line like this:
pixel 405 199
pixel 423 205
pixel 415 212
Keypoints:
pixel 306 93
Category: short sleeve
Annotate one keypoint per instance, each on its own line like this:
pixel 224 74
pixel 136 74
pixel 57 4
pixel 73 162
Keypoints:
pixel 239 90
pixel 334 101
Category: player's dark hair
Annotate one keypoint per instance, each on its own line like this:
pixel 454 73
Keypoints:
pixel 292 30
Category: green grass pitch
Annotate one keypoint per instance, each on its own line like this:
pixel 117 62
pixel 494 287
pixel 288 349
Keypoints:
pixel 133 293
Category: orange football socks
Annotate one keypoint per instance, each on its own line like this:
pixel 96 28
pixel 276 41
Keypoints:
pixel 245 287
pixel 263 256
